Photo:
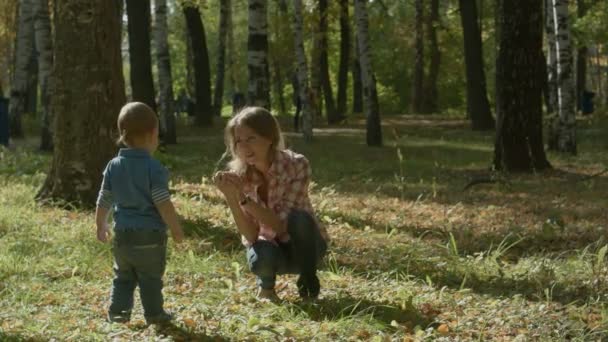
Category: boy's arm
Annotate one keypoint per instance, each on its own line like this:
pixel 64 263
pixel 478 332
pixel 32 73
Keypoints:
pixel 101 221
pixel 169 215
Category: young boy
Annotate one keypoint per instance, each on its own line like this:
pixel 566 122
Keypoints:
pixel 136 186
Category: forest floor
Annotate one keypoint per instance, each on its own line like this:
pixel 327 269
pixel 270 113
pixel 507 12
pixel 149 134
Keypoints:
pixel 414 256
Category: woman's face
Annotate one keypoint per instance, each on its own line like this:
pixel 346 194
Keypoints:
pixel 251 147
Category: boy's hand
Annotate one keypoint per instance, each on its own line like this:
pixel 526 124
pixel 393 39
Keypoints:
pixel 178 235
pixel 103 233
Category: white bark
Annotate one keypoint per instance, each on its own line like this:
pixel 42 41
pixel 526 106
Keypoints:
pixel 302 70
pixel 566 110
pixel 370 95
pixel 165 80
pixel 23 53
pixel 44 45
pixel 257 54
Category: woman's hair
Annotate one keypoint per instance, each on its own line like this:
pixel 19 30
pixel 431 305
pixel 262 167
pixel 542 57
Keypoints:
pixel 262 123
pixel 135 120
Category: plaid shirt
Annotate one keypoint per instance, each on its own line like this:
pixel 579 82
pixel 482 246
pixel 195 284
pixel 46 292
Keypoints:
pixel 288 178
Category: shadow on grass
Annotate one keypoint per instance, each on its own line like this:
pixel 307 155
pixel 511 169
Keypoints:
pixel 178 333
pixel 438 268
pixel 345 307
pixel 222 239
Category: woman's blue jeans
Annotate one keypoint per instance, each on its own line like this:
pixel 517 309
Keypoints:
pixel 300 255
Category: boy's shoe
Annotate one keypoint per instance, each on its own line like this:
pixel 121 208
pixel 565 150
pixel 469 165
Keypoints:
pixel 268 294
pixel 161 318
pixel 121 317
pixel 308 286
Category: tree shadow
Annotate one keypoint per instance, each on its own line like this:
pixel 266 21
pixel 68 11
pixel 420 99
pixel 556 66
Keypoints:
pixel 179 333
pixel 344 306
pixel 208 233
pixel 441 270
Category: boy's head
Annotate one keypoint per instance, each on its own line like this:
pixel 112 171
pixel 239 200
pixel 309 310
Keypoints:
pixel 138 126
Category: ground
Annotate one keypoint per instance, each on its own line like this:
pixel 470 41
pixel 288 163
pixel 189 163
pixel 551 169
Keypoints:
pixel 414 256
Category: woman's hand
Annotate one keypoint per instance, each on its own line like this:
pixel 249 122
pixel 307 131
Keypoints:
pixel 229 183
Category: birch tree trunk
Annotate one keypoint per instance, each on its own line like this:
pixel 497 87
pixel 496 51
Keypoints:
pixel 302 70
pixel 88 92
pixel 564 127
pixel 344 58
pixel 23 53
pixel 44 45
pixel 370 95
pixel 165 79
pixel 225 14
pixel 257 54
pixel 328 96
pixel 551 61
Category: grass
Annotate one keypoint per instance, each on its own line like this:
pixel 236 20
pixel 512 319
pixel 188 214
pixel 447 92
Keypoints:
pixel 414 257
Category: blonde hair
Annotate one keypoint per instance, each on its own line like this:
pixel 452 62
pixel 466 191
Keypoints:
pixel 263 123
pixel 135 120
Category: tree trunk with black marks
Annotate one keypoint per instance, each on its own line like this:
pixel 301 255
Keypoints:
pixel 344 58
pixel 302 71
pixel 44 43
pixel 88 92
pixel 370 95
pixel 257 54
pixel 563 128
pixel 23 55
pixel 328 94
pixel 519 138
pixel 165 79
pixel 142 83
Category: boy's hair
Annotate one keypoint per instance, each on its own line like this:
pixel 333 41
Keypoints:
pixel 262 122
pixel 135 120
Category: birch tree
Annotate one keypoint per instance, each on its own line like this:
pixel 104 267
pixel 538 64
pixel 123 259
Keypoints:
pixel 44 46
pixel 302 70
pixel 23 54
pixel 370 95
pixel 257 54
pixel 563 129
pixel 165 79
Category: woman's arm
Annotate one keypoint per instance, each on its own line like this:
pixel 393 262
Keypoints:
pixel 232 191
pixel 266 216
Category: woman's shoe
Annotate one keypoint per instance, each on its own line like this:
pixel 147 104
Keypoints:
pixel 308 286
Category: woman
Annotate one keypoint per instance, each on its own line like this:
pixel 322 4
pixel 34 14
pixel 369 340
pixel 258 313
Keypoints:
pixel 266 188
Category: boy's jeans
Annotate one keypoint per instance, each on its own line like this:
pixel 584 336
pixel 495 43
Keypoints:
pixel 139 259
pixel 300 255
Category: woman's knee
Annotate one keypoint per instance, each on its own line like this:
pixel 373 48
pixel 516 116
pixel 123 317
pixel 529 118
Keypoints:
pixel 262 258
